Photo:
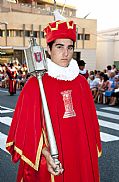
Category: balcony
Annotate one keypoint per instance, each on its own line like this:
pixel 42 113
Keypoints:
pixel 44 9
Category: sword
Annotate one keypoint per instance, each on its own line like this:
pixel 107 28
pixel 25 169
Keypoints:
pixel 36 62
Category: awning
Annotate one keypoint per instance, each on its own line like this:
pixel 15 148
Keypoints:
pixel 12 1
pixel 6 52
pixel 12 47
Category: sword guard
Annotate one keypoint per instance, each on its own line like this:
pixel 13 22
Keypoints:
pixel 57 162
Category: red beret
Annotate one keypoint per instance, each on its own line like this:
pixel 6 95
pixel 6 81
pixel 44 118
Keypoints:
pixel 60 29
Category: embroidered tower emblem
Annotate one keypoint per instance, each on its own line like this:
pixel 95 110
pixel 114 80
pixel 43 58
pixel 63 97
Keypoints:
pixel 68 104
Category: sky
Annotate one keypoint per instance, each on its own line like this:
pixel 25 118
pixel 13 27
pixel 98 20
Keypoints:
pixel 105 11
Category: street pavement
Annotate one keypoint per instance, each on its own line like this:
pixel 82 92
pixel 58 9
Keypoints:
pixel 109 130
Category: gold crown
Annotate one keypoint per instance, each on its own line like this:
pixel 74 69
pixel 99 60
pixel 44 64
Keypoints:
pixel 60 29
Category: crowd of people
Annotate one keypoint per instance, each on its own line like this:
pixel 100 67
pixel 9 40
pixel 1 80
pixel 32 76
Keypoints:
pixel 13 76
pixel 105 84
pixel 102 83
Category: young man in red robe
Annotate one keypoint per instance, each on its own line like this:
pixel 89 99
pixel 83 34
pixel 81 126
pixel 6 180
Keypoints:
pixel 12 74
pixel 73 117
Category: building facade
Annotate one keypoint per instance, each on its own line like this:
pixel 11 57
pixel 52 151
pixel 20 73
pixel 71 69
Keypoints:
pixel 107 48
pixel 18 21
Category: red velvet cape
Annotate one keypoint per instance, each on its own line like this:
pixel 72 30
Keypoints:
pixel 12 81
pixel 77 137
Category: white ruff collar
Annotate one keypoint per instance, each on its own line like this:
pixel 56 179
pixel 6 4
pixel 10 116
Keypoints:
pixel 82 71
pixel 63 73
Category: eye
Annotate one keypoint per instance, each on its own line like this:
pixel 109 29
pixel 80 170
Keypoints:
pixel 59 46
pixel 70 48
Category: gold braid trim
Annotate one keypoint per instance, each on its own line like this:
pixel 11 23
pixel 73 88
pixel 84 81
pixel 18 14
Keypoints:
pixel 52 178
pixel 70 26
pixel 45 138
pixel 9 144
pixel 56 27
pixel 99 152
pixel 60 22
pixel 25 159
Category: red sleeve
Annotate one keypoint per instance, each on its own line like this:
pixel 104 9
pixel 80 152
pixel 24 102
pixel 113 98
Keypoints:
pixel 89 107
pixel 26 138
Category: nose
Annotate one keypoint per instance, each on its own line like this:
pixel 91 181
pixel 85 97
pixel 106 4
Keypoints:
pixel 65 52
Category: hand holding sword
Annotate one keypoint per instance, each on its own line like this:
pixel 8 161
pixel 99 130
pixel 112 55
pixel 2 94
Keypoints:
pixel 36 63
pixel 53 168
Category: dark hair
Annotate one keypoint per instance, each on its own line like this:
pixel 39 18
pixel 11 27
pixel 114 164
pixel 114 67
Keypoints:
pixel 101 74
pixel 105 77
pixel 95 72
pixel 50 44
pixel 109 67
pixel 11 65
pixel 114 65
pixel 91 73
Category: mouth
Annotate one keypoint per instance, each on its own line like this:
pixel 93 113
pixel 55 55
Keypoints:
pixel 64 59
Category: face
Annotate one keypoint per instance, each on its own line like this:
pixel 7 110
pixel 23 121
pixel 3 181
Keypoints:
pixel 81 67
pixel 61 52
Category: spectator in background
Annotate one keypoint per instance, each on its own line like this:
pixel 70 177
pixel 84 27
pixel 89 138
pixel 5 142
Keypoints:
pixel 24 69
pixel 4 78
pixel 1 69
pixel 82 69
pixel 115 94
pixel 106 85
pixel 1 77
pixel 24 80
pixel 109 91
pixel 108 70
pixel 112 79
pixel 114 68
pixel 97 75
pixel 19 79
pixel 93 82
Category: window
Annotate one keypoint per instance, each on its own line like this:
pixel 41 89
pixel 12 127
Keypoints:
pixel 80 36
pixel 0 33
pixel 35 33
pixel 87 36
pixel 83 36
pixel 19 33
pixel 11 33
pixel 27 33
pixel 41 34
pixel 3 34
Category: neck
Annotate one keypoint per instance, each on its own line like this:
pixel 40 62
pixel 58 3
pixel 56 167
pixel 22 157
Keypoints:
pixel 68 73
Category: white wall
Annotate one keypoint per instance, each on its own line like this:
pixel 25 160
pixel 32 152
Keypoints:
pixel 104 54
pixel 107 48
pixel 89 56
pixel 116 49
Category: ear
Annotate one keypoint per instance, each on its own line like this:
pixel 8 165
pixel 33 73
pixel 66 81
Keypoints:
pixel 49 51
